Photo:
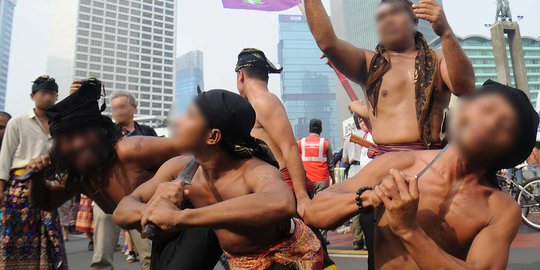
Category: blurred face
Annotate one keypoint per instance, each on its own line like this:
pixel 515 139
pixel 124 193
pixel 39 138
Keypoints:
pixel 394 24
pixel 82 149
pixel 485 127
pixel 122 110
pixel 44 99
pixel 3 123
pixel 191 132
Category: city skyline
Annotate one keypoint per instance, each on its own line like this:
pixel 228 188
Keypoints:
pixel 307 84
pixel 189 71
pixel 129 45
pixel 221 42
pixel 6 25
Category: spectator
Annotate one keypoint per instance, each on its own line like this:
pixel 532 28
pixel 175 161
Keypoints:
pixel 30 238
pixel 4 119
pixel 356 157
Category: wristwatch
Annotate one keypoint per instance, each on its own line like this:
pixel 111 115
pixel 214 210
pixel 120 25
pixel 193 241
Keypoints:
pixel 361 208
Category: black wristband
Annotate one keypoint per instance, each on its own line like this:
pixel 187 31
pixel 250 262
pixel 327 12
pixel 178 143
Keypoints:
pixel 361 208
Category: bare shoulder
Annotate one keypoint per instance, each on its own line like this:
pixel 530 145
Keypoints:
pixel 503 207
pixel 174 166
pixel 265 101
pixel 257 170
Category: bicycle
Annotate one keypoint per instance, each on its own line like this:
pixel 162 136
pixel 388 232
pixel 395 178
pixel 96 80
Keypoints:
pixel 526 194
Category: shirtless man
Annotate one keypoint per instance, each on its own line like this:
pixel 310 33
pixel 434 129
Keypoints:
pixel 239 195
pixel 93 159
pixel 272 125
pixel 454 216
pixel 403 112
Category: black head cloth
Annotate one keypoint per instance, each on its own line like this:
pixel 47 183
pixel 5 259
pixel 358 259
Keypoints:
pixel 234 117
pixel 44 82
pixel 527 122
pixel 78 110
pixel 255 58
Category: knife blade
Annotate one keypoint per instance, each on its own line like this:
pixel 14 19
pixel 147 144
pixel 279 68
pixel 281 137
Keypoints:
pixel 186 176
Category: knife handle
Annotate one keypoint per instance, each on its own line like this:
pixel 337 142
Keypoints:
pixel 149 231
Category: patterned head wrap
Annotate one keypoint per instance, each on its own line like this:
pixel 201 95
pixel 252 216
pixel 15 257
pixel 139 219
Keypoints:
pixel 44 82
pixel 234 117
pixel 255 58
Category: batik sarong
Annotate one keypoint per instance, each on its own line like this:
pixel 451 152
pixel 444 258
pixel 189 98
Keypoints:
pixel 380 149
pixel 85 217
pixel 31 239
pixel 302 251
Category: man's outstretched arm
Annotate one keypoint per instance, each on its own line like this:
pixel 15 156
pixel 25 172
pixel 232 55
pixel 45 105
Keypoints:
pixel 270 203
pixel 336 204
pixel 456 69
pixel 349 60
pixel 273 118
pixel 146 152
pixel 129 212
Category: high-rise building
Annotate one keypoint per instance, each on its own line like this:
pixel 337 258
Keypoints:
pixel 6 25
pixel 128 44
pixel 307 84
pixel 354 21
pixel 189 75
pixel 479 49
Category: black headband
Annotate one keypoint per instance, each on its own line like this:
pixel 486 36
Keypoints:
pixel 255 58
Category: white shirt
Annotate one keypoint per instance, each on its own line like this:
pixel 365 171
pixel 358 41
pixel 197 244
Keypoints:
pixel 24 139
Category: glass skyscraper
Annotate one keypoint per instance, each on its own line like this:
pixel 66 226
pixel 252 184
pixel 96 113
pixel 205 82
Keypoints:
pixel 128 44
pixel 479 49
pixel 6 25
pixel 189 75
pixel 307 83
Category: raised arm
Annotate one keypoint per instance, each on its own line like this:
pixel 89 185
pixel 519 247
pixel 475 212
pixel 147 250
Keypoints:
pixel 46 194
pixel 147 152
pixel 270 202
pixel 129 212
pixel 333 206
pixel 349 60
pixel 272 116
pixel 456 69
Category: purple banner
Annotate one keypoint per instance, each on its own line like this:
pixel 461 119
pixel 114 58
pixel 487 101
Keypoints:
pixel 263 5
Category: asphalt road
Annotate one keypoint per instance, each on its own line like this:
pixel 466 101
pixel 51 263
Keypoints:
pixel 524 257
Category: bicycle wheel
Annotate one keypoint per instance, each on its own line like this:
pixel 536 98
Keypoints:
pixel 530 204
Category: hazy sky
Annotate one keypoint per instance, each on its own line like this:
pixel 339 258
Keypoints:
pixel 220 34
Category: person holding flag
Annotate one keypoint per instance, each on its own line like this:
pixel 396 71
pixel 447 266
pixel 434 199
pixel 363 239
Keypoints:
pixel 407 84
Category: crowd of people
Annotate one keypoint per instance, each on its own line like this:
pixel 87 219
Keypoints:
pixel 233 182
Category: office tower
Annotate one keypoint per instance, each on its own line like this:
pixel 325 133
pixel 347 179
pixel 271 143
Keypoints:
pixel 479 49
pixel 129 45
pixel 6 25
pixel 189 75
pixel 307 84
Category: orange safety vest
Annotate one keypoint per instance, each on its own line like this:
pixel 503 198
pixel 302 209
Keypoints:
pixel 315 158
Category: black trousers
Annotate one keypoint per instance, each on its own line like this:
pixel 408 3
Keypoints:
pixel 192 249
pixel 367 222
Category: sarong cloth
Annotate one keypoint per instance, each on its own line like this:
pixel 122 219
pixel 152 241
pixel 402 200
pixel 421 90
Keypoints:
pixel 31 239
pixel 380 149
pixel 85 217
pixel 301 250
